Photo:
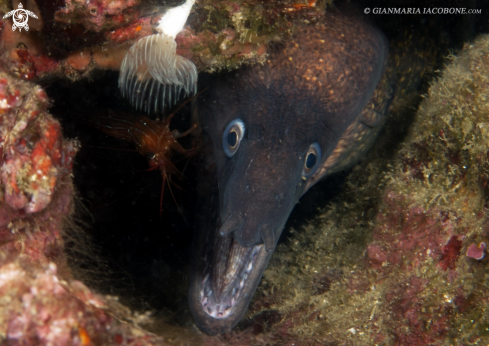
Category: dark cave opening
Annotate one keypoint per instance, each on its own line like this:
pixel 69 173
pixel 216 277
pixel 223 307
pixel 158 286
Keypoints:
pixel 145 255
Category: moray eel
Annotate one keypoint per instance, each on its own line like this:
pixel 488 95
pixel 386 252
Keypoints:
pixel 313 108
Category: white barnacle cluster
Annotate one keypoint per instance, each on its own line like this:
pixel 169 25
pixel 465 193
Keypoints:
pixel 152 75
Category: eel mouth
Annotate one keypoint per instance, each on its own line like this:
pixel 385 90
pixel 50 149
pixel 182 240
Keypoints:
pixel 223 280
pixel 218 301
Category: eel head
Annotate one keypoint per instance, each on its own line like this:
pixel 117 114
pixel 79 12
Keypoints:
pixel 273 127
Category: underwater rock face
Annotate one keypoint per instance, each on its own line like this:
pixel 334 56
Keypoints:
pixel 72 38
pixel 37 305
pixel 387 263
pixel 35 159
pixel 98 15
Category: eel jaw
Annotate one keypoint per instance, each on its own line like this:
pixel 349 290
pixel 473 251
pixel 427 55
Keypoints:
pixel 220 304
pixel 223 284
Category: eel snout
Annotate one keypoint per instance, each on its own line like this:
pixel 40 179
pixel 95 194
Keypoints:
pixel 248 233
pixel 260 195
pixel 257 200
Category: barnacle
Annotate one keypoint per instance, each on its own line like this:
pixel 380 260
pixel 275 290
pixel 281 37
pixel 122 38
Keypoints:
pixel 152 75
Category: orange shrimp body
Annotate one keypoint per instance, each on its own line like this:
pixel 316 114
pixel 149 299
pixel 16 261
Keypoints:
pixel 297 7
pixel 153 139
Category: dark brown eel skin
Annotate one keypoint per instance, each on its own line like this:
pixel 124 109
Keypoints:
pixel 313 108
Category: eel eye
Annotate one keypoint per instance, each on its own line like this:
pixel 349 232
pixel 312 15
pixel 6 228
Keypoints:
pixel 232 136
pixel 149 155
pixel 313 158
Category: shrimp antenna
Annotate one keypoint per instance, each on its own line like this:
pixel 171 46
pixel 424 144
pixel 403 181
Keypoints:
pixel 163 176
pixel 174 199
pixel 185 102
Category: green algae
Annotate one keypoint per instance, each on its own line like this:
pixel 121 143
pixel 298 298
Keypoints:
pixel 252 19
pixel 5 6
pixel 242 30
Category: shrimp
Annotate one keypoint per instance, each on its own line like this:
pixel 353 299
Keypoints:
pixel 153 139
pixel 297 7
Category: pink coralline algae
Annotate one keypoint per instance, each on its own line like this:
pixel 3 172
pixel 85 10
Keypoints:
pixel 451 251
pixel 408 310
pixel 74 38
pixel 476 251
pixel 34 157
pixel 137 29
pixel 420 235
pixel 40 303
pixel 99 15
pixel 49 312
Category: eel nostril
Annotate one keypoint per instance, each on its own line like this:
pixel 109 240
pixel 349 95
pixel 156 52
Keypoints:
pixel 232 223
